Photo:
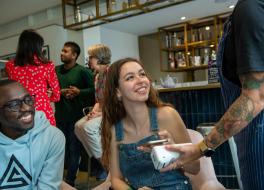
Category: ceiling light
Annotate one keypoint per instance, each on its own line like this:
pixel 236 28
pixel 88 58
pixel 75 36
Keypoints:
pixel 207 28
pixel 183 18
pixel 231 6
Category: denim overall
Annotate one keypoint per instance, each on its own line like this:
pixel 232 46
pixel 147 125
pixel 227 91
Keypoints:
pixel 250 141
pixel 137 168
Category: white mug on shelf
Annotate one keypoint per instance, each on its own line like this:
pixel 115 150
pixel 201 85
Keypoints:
pixel 197 61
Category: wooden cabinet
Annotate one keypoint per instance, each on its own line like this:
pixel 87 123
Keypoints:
pixel 191 45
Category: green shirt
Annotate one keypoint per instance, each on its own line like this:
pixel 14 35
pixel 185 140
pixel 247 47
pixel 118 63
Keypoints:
pixel 82 78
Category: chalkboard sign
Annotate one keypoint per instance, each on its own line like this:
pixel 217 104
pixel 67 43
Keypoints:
pixel 213 75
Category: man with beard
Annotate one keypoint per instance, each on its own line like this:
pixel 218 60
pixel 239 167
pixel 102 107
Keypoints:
pixel 32 152
pixel 77 92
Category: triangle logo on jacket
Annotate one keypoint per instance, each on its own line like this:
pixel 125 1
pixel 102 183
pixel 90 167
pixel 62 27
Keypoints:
pixel 15 175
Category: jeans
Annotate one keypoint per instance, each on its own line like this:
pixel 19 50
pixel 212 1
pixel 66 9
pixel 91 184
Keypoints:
pixel 72 152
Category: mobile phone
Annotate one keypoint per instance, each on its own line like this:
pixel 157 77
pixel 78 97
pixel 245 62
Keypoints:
pixel 156 142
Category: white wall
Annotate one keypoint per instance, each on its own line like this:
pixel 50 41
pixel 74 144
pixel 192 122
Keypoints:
pixel 8 45
pixel 121 44
pixel 91 36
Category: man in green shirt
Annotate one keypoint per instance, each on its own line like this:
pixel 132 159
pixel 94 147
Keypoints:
pixel 77 92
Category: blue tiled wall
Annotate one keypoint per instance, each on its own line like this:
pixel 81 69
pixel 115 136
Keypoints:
pixel 196 106
pixel 203 106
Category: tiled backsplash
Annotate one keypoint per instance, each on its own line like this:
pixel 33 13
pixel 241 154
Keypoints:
pixel 203 106
pixel 196 106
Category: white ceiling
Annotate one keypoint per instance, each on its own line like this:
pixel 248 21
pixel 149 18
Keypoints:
pixel 11 10
pixel 148 23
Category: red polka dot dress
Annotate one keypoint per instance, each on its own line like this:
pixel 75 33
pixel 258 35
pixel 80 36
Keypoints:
pixel 37 79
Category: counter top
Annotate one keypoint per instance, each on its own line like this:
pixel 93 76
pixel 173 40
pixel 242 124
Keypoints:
pixel 200 87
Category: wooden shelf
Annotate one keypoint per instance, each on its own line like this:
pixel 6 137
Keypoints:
pixel 175 48
pixel 81 14
pixel 198 39
pixel 189 68
pixel 202 44
pixel 205 43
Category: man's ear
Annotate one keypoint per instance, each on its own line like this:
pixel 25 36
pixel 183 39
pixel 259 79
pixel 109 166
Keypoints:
pixel 75 56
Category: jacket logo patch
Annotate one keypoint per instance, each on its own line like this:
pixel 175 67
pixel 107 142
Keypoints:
pixel 15 175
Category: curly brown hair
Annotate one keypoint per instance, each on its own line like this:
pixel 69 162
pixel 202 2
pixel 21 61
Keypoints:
pixel 113 109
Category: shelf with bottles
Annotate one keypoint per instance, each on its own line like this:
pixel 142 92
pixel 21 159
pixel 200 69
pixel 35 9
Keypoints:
pixel 173 47
pixel 202 41
pixel 201 56
pixel 177 59
pixel 191 45
pixel 202 31
pixel 173 39
pixel 180 61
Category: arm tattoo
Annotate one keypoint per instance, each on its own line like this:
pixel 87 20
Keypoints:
pixel 240 113
pixel 236 118
pixel 250 82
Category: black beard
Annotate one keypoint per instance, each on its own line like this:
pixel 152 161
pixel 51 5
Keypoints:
pixel 65 62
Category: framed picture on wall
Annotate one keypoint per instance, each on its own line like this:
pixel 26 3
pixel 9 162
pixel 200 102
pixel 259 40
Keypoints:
pixel 7 57
pixel 45 50
pixel 2 70
pixel 3 60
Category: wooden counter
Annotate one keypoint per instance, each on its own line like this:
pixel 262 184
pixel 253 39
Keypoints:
pixel 208 86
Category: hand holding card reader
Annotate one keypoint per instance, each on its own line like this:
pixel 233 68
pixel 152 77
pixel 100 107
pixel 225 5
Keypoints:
pixel 161 157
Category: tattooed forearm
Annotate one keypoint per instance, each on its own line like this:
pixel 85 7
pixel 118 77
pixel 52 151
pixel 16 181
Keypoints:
pixel 251 82
pixel 236 118
pixel 242 110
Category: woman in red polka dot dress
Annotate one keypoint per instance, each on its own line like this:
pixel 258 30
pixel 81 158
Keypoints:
pixel 35 72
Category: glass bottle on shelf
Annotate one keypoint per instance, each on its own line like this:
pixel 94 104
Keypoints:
pixel 168 40
pixel 174 39
pixel 213 55
pixel 180 41
pixel 113 5
pixel 193 37
pixel 208 33
pixel 206 56
pixel 180 59
pixel 124 5
pixel 77 15
pixel 200 34
pixel 171 60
